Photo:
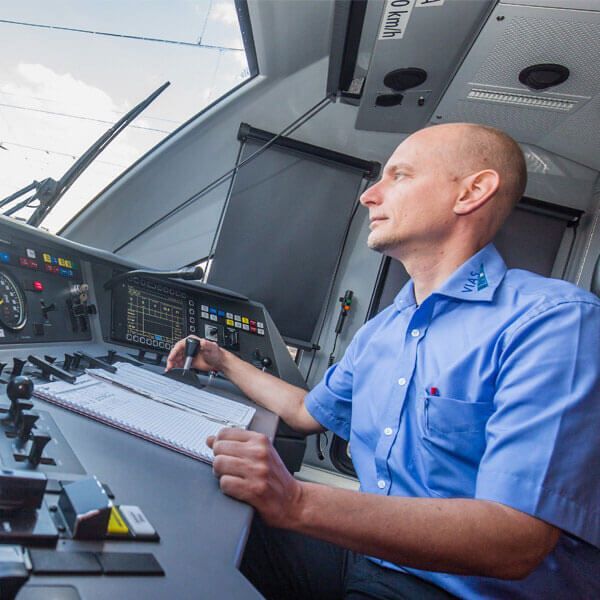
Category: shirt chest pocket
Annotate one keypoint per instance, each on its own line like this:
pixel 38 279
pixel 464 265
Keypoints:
pixel 454 442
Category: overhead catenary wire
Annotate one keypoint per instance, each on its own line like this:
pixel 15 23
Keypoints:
pixel 121 35
pixel 80 117
pixel 309 114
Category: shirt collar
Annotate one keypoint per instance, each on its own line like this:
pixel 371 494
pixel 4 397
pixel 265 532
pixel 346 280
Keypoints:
pixel 475 280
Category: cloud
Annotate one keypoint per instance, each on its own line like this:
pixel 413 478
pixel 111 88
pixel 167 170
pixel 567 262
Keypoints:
pixel 225 13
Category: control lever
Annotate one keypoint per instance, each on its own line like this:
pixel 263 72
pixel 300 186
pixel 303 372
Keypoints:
pixel 39 442
pixel 112 357
pixel 96 362
pixel 266 362
pixel 50 369
pixel 68 362
pixel 18 388
pixel 75 362
pixel 18 365
pixel 28 419
pixel 191 350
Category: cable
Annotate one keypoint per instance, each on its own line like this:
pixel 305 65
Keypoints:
pixel 215 183
pixel 121 35
pixel 58 114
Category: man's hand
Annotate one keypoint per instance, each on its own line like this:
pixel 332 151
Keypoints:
pixel 208 358
pixel 250 470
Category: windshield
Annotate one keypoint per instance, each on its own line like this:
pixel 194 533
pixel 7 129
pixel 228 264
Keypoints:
pixel 70 69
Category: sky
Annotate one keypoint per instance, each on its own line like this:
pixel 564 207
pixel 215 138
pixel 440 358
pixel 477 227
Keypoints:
pixel 69 69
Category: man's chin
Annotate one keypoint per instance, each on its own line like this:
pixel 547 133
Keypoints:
pixel 378 245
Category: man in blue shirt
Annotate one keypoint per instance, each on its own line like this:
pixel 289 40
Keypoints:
pixel 470 404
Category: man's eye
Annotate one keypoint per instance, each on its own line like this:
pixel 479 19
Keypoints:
pixel 398 175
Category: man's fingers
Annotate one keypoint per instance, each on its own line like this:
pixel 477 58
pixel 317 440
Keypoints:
pixel 241 435
pixel 229 447
pixel 230 465
pixel 176 355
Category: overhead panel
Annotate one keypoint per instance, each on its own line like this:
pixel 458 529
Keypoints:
pixel 417 48
pixel 491 86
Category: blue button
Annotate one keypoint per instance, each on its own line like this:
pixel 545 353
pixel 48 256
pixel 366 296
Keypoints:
pixel 212 310
pixel 158 337
pixel 53 260
pixel 221 313
pixel 4 257
pixel 65 272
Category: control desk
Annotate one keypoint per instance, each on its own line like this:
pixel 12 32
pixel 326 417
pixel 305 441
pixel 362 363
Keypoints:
pixel 65 307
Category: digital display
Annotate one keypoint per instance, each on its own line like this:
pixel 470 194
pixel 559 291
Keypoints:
pixel 152 315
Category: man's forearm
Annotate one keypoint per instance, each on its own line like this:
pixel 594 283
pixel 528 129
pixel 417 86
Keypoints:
pixel 285 400
pixel 463 536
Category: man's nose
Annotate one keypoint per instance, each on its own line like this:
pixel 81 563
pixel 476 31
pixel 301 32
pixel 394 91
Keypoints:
pixel 371 195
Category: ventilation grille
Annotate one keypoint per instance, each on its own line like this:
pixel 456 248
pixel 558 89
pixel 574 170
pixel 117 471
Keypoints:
pixel 522 100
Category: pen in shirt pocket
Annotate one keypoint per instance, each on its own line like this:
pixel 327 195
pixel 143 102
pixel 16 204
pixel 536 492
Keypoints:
pixel 433 391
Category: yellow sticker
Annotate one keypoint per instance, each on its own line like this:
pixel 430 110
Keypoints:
pixel 47 258
pixel 61 262
pixel 116 524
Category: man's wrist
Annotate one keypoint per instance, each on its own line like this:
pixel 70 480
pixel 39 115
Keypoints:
pixel 226 362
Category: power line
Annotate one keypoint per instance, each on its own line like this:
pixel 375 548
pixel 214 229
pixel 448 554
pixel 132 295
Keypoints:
pixel 82 118
pixel 121 35
pixel 47 151
pixel 42 99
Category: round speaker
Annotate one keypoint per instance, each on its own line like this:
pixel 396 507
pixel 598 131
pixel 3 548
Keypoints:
pixel 543 76
pixel 404 79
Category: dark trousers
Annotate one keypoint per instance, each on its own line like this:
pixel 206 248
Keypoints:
pixel 284 565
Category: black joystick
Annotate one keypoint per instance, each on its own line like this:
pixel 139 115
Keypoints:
pixel 19 388
pixel 266 362
pixel 191 349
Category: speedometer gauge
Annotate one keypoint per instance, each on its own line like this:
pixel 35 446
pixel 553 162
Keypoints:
pixel 13 306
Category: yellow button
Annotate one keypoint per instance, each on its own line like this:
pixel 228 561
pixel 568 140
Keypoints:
pixel 116 524
pixel 61 262
pixel 229 321
pixel 68 264
pixel 245 320
pixel 47 258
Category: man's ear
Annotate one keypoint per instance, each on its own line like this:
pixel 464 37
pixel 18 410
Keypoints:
pixel 477 189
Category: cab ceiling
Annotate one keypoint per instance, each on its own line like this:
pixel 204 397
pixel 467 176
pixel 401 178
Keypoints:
pixel 490 43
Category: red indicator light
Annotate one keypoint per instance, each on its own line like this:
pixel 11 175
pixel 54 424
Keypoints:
pixel 38 286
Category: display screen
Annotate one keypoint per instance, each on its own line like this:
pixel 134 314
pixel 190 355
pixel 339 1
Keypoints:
pixel 152 315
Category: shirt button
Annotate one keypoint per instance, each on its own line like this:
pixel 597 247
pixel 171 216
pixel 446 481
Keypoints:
pixel 401 381
pixel 387 431
pixel 381 484
pixel 415 333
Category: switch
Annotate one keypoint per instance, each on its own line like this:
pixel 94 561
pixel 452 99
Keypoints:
pixel 47 308
pixel 37 286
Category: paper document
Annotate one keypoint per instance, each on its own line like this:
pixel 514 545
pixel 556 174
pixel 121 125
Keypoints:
pixel 167 412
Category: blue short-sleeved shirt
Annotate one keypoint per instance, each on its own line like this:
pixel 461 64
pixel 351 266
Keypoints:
pixel 489 389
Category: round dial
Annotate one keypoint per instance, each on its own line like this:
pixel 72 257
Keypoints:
pixel 13 306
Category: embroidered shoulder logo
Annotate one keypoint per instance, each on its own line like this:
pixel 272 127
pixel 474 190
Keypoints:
pixel 477 281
